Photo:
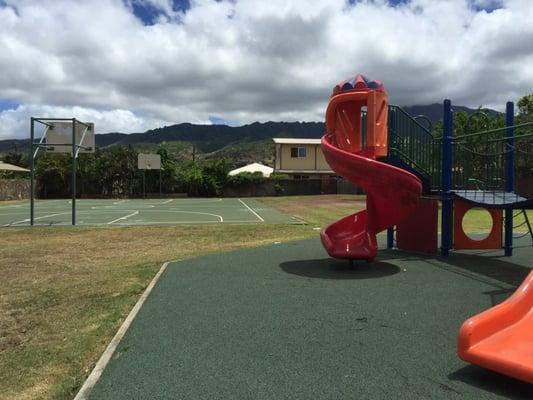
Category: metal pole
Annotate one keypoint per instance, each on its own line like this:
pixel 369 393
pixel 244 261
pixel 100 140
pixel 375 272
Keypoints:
pixel 32 172
pixel 447 159
pixel 73 171
pixel 160 184
pixel 509 176
pixel 144 183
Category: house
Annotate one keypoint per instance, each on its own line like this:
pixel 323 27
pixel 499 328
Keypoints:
pixel 254 167
pixel 301 159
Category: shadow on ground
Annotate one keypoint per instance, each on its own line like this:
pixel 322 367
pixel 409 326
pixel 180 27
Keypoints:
pixel 492 382
pixel 329 268
pixel 484 264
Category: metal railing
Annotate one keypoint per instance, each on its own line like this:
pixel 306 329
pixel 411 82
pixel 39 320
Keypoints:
pixel 414 144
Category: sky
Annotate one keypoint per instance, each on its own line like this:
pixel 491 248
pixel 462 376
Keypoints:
pixel 133 65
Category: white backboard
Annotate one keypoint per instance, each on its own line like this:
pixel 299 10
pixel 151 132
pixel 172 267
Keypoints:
pixel 149 161
pixel 59 137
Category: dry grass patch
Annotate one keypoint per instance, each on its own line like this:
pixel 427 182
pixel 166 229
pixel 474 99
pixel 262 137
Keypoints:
pixel 318 210
pixel 66 290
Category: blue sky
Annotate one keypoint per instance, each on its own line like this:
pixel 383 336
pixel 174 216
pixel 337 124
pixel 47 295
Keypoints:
pixel 236 61
pixel 6 104
pixel 149 14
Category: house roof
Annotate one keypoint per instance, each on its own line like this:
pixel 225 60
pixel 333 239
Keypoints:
pixel 10 167
pixel 296 141
pixel 254 167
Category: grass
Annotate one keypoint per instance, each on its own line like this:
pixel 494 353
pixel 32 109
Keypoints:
pixel 317 210
pixel 66 290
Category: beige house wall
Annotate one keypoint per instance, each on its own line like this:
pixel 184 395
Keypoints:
pixel 321 163
pixel 314 160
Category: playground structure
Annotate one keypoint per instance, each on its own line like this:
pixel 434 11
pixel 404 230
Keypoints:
pixel 396 159
pixel 384 150
pixel 392 193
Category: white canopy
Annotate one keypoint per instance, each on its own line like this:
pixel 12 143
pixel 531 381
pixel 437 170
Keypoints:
pixel 10 167
pixel 254 167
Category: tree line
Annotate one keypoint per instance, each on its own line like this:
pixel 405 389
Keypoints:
pixel 113 172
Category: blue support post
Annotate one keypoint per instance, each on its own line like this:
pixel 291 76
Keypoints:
pixel 509 176
pixel 447 161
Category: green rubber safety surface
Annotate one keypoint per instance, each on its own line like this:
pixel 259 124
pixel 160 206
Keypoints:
pixel 287 322
pixel 142 212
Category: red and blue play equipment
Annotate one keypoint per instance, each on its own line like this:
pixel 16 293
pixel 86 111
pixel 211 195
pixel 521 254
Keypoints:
pixel 500 339
pixel 392 193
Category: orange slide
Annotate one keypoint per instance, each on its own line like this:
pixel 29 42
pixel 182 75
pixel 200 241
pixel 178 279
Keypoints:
pixel 501 338
pixel 351 149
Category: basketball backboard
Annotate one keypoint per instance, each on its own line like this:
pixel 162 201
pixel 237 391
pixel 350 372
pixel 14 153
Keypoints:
pixel 149 161
pixel 59 137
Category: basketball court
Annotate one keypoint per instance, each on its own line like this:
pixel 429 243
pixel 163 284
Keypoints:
pixel 142 212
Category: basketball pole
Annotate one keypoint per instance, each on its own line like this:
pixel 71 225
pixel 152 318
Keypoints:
pixel 144 183
pixel 73 171
pixel 32 172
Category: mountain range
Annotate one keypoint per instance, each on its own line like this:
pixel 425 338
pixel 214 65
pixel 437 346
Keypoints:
pixel 242 144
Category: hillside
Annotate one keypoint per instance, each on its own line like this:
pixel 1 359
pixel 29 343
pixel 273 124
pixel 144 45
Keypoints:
pixel 434 111
pixel 241 144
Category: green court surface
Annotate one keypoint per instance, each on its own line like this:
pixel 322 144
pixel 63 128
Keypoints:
pixel 142 212
pixel 287 322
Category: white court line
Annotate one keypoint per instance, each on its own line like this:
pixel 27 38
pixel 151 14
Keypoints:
pixel 123 218
pixel 120 201
pixel 252 211
pixel 196 200
pixel 127 223
pixel 28 219
pixel 17 212
pixel 186 212
pixel 166 202
pixel 182 212
pixel 14 205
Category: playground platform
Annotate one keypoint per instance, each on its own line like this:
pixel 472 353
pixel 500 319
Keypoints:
pixel 287 321
pixel 494 199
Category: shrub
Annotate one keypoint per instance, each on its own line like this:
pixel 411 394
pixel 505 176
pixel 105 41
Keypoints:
pixel 245 178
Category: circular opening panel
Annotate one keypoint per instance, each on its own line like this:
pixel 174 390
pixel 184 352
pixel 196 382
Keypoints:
pixel 477 223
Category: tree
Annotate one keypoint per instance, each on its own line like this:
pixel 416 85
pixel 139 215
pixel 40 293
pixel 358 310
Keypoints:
pixel 118 171
pixel 169 166
pixel 52 171
pixel 19 159
pixel 525 108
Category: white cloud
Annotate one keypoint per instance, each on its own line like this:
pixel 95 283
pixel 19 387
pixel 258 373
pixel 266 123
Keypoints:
pixel 254 60
pixel 16 122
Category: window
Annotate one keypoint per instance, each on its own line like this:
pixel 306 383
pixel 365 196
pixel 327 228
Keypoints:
pixel 300 177
pixel 298 152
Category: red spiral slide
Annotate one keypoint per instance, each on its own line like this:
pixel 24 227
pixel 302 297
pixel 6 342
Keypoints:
pixel 392 193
